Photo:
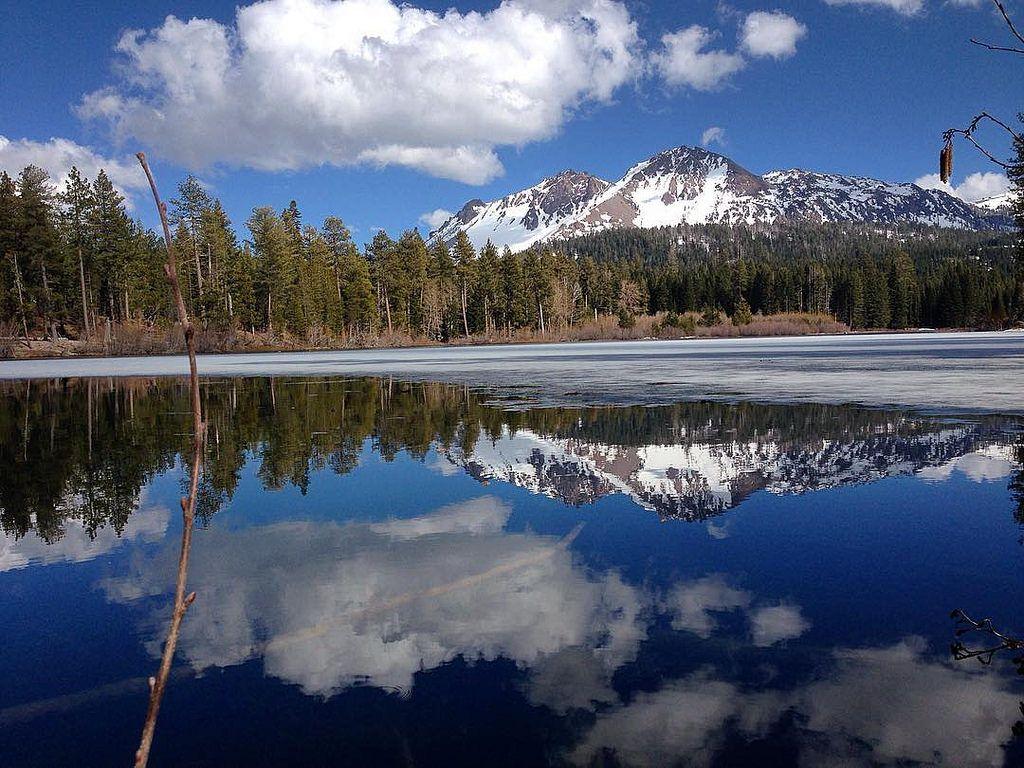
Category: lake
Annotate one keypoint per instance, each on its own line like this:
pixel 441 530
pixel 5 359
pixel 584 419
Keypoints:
pixel 437 566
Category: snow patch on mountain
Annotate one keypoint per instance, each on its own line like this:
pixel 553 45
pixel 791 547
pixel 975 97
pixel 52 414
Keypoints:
pixel 525 217
pixel 691 185
pixel 1001 203
pixel 694 481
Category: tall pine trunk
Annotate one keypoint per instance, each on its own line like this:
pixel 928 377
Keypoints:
pixel 465 320
pixel 85 304
pixel 21 296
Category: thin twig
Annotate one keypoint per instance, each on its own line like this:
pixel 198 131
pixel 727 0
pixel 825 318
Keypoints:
pixel 1013 31
pixel 158 684
pixel 992 47
pixel 968 133
pixel 968 626
pixel 1008 20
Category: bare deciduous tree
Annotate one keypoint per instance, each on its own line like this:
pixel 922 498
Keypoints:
pixel 982 118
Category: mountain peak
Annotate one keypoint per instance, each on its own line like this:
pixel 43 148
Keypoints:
pixel 693 185
pixel 527 216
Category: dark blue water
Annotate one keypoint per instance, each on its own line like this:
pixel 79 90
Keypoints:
pixel 401 575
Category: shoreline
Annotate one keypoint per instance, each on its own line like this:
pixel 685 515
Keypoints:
pixel 47 347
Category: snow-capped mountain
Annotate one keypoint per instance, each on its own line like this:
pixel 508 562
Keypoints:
pixel 694 481
pixel 528 216
pixel 689 185
pixel 998 203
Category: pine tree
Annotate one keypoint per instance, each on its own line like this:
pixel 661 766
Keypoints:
pixel 877 312
pixel 380 254
pixel 488 285
pixel 516 307
pixel 321 305
pixel 855 317
pixel 275 268
pixel 465 273
pixel 38 248
pixel 339 241
pixel 111 234
pixel 225 281
pixel 441 270
pixel 187 210
pixel 902 292
pixel 11 297
pixel 76 208
pixel 359 299
pixel 1016 175
pixel 411 266
pixel 538 278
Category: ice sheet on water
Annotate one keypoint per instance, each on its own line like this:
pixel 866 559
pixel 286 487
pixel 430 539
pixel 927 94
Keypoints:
pixel 931 372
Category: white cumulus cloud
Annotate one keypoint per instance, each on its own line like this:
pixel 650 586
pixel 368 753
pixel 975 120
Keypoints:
pixel 771 33
pixel 301 83
pixel 713 135
pixel 974 187
pixel 435 218
pixel 776 623
pixel 904 7
pixel 58 155
pixel 683 61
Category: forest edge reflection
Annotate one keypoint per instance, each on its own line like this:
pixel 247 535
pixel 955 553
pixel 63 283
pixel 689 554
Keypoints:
pixel 60 462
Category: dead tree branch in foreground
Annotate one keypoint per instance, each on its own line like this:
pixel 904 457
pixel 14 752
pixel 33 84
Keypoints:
pixel 1012 28
pixel 946 154
pixel 158 684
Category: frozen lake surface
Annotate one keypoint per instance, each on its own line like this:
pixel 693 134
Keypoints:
pixel 931 372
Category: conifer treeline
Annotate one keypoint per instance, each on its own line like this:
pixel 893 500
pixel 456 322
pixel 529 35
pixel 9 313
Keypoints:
pixel 863 277
pixel 74 264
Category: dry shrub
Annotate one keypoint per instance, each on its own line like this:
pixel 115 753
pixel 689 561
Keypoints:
pixel 787 324
pixel 793 324
pixel 133 339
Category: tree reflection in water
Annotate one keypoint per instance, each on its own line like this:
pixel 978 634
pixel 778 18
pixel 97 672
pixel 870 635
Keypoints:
pixel 82 450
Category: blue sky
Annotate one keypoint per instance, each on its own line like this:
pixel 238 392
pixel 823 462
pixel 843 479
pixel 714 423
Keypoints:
pixel 379 114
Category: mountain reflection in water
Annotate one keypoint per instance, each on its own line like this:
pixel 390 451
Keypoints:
pixel 383 608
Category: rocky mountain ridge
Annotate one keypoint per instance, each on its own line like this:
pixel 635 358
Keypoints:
pixel 690 185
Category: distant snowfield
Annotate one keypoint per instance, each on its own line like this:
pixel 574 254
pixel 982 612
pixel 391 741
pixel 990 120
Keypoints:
pixel 961 373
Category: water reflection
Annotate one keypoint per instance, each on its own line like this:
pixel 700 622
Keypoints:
pixel 875 706
pixel 327 605
pixel 60 461
pixel 439 581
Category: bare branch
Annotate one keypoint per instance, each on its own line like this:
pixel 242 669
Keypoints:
pixel 968 133
pixel 188 504
pixel 1008 20
pixel 967 626
pixel 1013 31
pixel 992 47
